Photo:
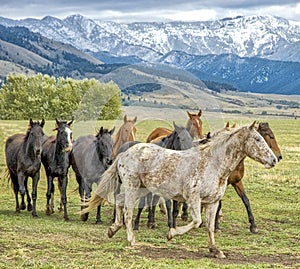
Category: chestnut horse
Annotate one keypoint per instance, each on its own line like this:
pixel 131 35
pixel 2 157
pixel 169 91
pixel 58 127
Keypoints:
pixel 235 178
pixel 125 133
pixel 197 175
pixel 194 126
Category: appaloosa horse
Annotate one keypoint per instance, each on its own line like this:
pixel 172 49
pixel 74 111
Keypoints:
pixel 23 159
pixel 125 133
pixel 179 139
pixel 197 175
pixel 90 157
pixel 235 178
pixel 55 159
pixel 193 125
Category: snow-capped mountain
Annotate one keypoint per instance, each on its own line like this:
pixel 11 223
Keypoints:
pixel 248 36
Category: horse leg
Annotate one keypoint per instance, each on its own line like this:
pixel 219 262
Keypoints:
pixel 239 188
pixel 195 208
pixel 60 208
pixel 98 215
pixel 64 184
pixel 217 216
pixel 211 211
pixel 175 212
pixel 118 190
pixel 169 211
pixel 29 205
pixel 119 205
pixel 49 206
pixel 151 213
pixel 138 215
pixel 130 198
pixel 16 192
pixel 184 215
pixel 35 181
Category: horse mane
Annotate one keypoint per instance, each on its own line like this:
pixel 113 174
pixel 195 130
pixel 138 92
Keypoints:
pixel 222 137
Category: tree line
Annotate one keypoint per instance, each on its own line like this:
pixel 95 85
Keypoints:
pixel 44 96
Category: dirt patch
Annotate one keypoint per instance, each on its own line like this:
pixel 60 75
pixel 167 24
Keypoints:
pixel 154 252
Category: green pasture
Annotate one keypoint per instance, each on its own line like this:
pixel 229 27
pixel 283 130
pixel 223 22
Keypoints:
pixel 50 242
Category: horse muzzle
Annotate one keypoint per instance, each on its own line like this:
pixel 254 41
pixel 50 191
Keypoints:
pixel 273 161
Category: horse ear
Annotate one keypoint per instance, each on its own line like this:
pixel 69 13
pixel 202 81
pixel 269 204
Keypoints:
pixel 30 122
pixel 42 123
pixel 112 130
pixel 189 114
pixel 135 119
pixel 233 125
pixel 101 130
pixel 70 122
pixel 227 124
pixel 200 113
pixel 208 136
pixel 57 121
pixel 175 125
pixel 125 118
pixel 252 125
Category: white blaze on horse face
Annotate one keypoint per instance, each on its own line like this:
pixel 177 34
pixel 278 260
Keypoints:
pixel 258 149
pixel 69 138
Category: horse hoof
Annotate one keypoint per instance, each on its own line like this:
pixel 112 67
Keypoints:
pixel 35 216
pixel 220 255
pixel 136 228
pixel 66 218
pixel 110 233
pixel 151 225
pixel 84 217
pixel 253 229
pixel 29 207
pixel 170 234
pixel 23 206
pixel 98 222
pixel 184 217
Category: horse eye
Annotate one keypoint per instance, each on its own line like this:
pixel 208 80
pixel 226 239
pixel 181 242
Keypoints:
pixel 257 139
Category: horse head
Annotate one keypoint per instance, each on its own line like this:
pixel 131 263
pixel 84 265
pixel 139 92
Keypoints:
pixel 180 138
pixel 34 137
pixel 105 146
pixel 194 124
pixel 64 135
pixel 125 133
pixel 257 148
pixel 266 132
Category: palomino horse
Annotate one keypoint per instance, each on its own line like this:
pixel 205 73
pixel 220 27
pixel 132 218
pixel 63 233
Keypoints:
pixel 90 157
pixel 179 139
pixel 235 178
pixel 55 159
pixel 23 159
pixel 193 125
pixel 125 133
pixel 197 175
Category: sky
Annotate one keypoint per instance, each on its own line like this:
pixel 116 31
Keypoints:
pixel 149 10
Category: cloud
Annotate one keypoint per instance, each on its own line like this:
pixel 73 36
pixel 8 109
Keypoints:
pixel 151 10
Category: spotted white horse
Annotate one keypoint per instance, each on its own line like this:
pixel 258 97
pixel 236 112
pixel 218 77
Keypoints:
pixel 197 175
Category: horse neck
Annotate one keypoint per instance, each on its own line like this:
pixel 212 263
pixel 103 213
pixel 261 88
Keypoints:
pixel 226 155
pixel 29 147
pixel 59 153
pixel 192 129
pixel 117 143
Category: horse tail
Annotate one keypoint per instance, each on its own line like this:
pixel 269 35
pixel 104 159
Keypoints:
pixel 107 185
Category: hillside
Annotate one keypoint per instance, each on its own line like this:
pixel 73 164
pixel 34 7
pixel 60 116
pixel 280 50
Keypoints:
pixel 252 53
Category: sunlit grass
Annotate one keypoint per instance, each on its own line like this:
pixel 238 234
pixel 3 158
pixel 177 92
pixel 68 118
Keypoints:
pixel 50 242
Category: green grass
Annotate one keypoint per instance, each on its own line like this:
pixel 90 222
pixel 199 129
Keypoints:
pixel 50 242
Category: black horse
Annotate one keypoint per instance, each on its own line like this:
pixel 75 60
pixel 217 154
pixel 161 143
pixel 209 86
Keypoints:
pixel 90 157
pixel 55 158
pixel 179 139
pixel 23 159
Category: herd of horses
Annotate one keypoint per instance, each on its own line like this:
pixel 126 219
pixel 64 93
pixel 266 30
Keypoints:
pixel 181 165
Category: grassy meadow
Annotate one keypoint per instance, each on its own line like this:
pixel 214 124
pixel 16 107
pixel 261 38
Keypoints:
pixel 50 242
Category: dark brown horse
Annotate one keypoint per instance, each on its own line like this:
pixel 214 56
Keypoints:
pixel 235 178
pixel 55 158
pixel 23 159
pixel 193 125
